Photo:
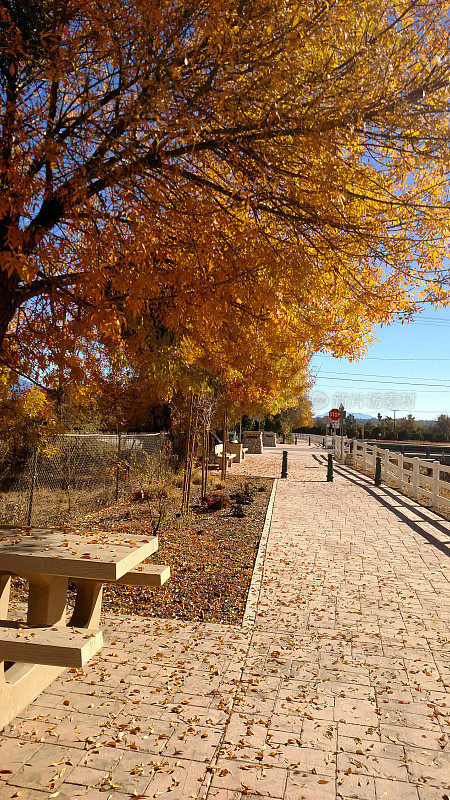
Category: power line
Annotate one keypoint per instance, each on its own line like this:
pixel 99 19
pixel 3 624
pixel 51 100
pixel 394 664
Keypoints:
pixel 382 358
pixel 373 375
pixel 444 389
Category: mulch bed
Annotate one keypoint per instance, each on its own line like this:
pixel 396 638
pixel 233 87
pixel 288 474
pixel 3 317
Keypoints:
pixel 211 556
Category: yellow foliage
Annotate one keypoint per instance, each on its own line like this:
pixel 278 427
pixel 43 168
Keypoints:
pixel 27 417
pixel 214 191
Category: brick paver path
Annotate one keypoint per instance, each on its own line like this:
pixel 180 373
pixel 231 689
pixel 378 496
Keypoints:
pixel 337 690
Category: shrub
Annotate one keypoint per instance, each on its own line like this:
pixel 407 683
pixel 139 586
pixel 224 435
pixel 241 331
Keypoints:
pixel 148 494
pixel 238 511
pixel 244 496
pixel 214 501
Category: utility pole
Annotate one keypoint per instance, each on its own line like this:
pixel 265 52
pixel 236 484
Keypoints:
pixel 394 410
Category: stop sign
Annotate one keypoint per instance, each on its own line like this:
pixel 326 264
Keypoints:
pixel 334 414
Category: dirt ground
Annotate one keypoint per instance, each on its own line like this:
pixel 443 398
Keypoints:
pixel 211 554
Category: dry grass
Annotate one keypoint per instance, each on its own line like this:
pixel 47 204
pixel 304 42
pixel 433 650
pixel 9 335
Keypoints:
pixel 211 554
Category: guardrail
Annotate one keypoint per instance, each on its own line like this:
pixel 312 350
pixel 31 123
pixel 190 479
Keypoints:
pixel 423 477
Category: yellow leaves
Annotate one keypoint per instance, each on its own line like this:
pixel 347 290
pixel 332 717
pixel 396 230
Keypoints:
pixel 33 403
pixel 271 208
pixel 14 262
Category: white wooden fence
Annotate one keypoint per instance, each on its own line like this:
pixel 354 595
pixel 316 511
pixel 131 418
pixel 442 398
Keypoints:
pixel 317 439
pixel 423 477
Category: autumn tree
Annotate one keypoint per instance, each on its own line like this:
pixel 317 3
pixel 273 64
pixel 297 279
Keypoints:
pixel 217 188
pixel 442 427
pixel 28 417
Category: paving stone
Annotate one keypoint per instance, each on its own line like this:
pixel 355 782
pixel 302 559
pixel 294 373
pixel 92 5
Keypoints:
pixel 338 691
pixel 395 790
pixel 357 786
pixel 265 781
pixel 13 793
pixel 312 787
pixel 46 769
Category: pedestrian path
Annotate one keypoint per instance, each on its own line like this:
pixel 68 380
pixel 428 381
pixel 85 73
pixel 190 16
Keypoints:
pixel 338 689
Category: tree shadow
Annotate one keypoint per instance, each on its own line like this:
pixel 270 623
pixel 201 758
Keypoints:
pixel 386 497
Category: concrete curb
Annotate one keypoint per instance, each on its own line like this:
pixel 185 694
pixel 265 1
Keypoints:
pixel 249 618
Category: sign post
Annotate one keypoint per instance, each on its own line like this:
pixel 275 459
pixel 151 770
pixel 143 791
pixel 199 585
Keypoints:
pixel 342 416
pixel 334 415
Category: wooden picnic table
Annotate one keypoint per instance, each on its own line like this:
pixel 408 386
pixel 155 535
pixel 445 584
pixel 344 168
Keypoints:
pixel 48 559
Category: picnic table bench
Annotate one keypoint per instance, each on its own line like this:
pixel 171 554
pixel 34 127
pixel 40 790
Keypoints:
pixel 34 653
pixel 239 451
pixel 218 452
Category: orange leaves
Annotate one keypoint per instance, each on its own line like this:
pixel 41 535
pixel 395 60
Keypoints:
pixel 214 194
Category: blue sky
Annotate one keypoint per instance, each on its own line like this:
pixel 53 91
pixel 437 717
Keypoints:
pixel 408 369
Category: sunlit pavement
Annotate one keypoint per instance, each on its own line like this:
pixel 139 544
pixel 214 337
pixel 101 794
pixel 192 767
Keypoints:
pixel 336 689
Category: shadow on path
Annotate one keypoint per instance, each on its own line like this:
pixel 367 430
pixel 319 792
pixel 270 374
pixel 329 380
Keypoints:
pixel 415 526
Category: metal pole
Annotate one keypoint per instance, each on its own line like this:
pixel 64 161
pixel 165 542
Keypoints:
pixel 378 471
pixel 32 485
pixel 330 467
pixel 284 472
pixel 118 465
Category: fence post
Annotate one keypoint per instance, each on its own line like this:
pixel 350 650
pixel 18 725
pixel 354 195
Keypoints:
pixel 415 477
pixel 119 438
pixel 374 458
pixel 364 455
pixel 387 456
pixel 435 466
pixel 400 471
pixel 162 441
pixel 32 485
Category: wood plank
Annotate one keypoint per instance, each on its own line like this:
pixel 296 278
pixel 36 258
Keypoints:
pixel 97 555
pixel 60 647
pixel 147 575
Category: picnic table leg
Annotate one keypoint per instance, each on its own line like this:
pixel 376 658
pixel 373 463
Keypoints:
pixel 47 599
pixel 5 583
pixel 22 683
pixel 88 604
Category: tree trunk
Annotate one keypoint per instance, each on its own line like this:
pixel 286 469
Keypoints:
pixel 9 301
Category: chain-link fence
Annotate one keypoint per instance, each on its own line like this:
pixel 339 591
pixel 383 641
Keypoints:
pixel 76 474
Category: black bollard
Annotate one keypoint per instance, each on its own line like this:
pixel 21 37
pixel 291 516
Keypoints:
pixel 309 441
pixel 378 471
pixel 330 467
pixel 284 465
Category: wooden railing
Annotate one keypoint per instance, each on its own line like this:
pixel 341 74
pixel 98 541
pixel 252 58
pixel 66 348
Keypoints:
pixel 422 477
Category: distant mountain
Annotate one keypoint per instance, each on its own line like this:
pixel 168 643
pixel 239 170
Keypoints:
pixel 357 416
